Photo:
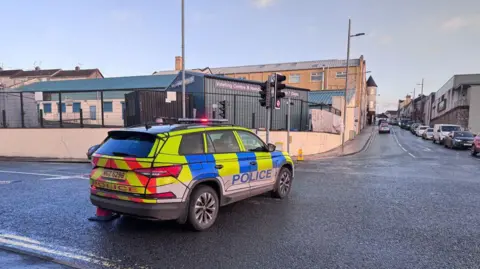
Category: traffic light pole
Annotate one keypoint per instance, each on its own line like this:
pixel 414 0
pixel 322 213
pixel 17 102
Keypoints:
pixel 288 125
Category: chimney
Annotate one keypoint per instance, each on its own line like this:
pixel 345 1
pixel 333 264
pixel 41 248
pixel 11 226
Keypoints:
pixel 37 68
pixel 408 99
pixel 178 63
pixel 77 68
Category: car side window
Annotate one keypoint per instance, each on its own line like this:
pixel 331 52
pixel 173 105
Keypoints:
pixel 191 144
pixel 223 141
pixel 251 142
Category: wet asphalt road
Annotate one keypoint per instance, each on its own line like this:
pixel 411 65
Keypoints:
pixel 403 203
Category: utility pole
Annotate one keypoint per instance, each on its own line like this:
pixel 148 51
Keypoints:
pixel 421 92
pixel 413 103
pixel 183 60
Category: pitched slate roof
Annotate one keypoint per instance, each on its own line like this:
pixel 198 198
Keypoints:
pixel 8 73
pixel 325 96
pixel 76 73
pixel 36 73
pixel 101 84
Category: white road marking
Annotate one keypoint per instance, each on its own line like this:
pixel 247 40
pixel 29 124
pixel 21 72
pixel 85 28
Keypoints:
pixel 4 182
pixel 400 145
pixel 49 176
pixel 22 242
pixel 28 173
pixel 66 177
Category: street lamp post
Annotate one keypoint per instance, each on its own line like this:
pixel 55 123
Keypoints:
pixel 346 81
pixel 183 60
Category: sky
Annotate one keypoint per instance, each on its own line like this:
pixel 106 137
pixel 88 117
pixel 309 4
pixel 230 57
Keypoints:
pixel 404 41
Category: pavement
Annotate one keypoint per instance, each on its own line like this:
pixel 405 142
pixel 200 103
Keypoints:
pixel 401 203
pixel 351 147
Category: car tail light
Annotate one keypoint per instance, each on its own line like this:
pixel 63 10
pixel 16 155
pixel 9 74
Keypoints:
pixel 162 195
pixel 166 171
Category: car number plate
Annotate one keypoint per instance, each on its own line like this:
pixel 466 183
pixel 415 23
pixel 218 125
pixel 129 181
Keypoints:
pixel 467 144
pixel 119 175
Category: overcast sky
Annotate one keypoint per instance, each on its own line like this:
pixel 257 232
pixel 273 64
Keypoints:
pixel 405 40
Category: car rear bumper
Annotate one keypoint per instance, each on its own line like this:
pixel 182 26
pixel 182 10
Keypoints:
pixel 163 211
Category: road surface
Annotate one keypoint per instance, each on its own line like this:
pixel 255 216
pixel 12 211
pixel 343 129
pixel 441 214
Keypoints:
pixel 402 203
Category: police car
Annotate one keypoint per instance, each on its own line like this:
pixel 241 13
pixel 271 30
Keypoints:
pixel 185 171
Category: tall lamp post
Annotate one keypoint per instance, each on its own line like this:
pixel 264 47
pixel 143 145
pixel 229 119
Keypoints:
pixel 346 80
pixel 183 60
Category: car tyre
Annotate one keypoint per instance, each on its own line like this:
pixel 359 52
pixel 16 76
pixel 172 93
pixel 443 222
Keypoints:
pixel 283 185
pixel 203 208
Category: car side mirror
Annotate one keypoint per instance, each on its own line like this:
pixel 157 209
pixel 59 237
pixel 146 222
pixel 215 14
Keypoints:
pixel 271 147
pixel 91 150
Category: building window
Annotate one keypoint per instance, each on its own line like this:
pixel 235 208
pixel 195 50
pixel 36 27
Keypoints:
pixel 107 107
pixel 64 108
pixel 316 76
pixel 294 78
pixel 242 77
pixel 341 74
pixel 76 108
pixel 47 108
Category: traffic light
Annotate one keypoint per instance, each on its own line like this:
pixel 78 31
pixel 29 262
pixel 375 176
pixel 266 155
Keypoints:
pixel 278 86
pixel 265 96
pixel 222 108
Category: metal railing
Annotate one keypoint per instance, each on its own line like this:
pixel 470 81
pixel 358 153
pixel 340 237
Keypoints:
pixel 107 109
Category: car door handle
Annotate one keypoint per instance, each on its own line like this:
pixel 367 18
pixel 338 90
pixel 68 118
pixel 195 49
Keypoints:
pixel 219 166
pixel 253 162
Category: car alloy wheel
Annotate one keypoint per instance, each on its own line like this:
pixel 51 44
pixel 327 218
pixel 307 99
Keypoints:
pixel 205 207
pixel 285 183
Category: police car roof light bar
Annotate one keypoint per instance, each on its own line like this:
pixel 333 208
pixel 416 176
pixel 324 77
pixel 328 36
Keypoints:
pixel 202 120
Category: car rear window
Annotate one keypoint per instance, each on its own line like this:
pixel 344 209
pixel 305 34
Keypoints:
pixel 450 128
pixel 463 134
pixel 430 130
pixel 127 144
pixel 423 128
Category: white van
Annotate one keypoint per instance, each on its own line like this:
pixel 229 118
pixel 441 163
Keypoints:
pixel 440 131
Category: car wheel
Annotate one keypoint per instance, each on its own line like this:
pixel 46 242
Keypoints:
pixel 203 208
pixel 283 185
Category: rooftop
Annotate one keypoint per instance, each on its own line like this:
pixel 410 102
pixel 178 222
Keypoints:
pixel 8 73
pixel 36 73
pixel 275 67
pixel 101 84
pixel 76 73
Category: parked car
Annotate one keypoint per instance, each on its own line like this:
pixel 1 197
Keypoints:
pixel 475 149
pixel 420 130
pixel 428 134
pixel 91 150
pixel 459 139
pixel 440 131
pixel 407 125
pixel 384 128
pixel 413 127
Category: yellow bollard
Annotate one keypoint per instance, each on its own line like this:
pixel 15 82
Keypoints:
pixel 300 155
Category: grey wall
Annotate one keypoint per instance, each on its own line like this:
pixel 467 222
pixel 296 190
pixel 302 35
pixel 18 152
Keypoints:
pixel 243 100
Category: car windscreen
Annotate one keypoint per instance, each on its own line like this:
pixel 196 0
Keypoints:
pixel 127 144
pixel 450 128
pixel 463 134
pixel 423 128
